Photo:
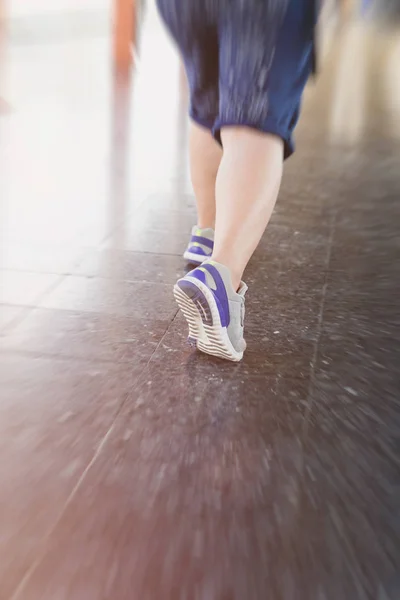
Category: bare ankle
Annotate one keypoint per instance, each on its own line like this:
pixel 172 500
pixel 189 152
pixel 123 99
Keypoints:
pixel 206 224
pixel 236 276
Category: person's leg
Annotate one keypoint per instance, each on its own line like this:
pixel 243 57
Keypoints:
pixel 252 134
pixel 195 29
pixel 212 297
pixel 247 187
pixel 265 61
pixel 205 158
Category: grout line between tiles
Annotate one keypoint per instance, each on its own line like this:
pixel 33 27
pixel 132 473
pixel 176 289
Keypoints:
pixel 29 307
pixel 163 337
pixel 319 326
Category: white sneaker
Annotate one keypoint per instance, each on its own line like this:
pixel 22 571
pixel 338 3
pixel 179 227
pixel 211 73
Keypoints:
pixel 200 247
pixel 213 310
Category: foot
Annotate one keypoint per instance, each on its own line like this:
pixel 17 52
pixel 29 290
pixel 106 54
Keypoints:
pixel 213 310
pixel 200 246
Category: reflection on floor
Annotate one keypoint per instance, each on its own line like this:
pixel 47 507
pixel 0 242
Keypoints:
pixel 133 469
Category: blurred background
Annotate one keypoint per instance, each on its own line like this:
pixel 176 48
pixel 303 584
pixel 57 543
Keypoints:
pixel 132 468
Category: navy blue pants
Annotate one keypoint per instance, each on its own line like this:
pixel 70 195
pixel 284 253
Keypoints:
pixel 247 61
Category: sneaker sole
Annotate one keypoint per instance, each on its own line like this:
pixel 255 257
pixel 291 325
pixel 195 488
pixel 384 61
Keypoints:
pixel 200 310
pixel 194 259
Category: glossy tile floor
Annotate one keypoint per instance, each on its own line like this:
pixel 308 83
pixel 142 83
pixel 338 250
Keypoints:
pixel 132 468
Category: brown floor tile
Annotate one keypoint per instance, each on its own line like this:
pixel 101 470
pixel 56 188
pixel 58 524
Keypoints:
pixel 282 350
pixel 210 520
pixel 40 259
pixel 25 289
pixel 88 335
pixel 122 298
pixel 54 414
pixel 131 266
pixel 151 240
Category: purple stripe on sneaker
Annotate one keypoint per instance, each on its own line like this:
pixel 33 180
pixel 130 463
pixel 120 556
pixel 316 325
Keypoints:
pixel 199 251
pixel 203 241
pixel 220 295
pixel 198 274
